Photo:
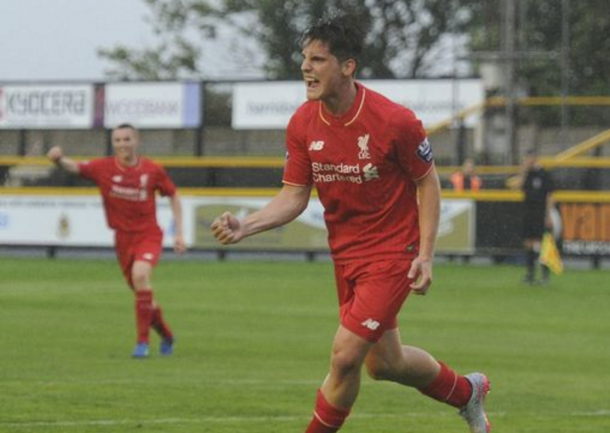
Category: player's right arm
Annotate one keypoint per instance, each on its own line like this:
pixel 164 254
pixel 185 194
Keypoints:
pixel 56 155
pixel 283 208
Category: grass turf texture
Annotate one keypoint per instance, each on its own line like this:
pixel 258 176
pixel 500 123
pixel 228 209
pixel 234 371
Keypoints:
pixel 253 346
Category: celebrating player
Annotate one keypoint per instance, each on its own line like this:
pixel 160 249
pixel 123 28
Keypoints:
pixel 128 184
pixel 373 168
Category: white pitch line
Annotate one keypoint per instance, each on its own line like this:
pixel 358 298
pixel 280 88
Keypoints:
pixel 601 412
pixel 222 382
pixel 208 419
pixel 250 419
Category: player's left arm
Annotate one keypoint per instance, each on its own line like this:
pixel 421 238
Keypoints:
pixel 167 188
pixel 57 156
pixel 429 192
pixel 176 206
pixel 415 156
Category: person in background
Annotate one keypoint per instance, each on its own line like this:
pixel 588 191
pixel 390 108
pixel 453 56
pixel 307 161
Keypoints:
pixel 373 168
pixel 537 186
pixel 466 179
pixel 128 184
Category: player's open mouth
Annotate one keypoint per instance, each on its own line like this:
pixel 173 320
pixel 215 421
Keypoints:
pixel 311 83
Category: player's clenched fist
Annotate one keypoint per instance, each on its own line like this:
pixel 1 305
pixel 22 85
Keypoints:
pixel 226 229
pixel 55 154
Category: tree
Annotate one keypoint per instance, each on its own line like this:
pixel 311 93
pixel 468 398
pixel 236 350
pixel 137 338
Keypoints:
pixel 407 39
pixel 539 30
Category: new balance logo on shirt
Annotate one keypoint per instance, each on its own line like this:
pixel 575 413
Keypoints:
pixel 316 145
pixel 371 324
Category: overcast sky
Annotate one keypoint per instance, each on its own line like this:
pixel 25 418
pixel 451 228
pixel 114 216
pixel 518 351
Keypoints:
pixel 58 39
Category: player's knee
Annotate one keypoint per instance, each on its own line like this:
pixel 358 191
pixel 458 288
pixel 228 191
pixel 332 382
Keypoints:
pixel 140 280
pixel 379 369
pixel 345 364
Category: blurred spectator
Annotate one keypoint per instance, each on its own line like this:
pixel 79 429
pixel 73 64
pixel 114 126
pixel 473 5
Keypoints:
pixel 466 179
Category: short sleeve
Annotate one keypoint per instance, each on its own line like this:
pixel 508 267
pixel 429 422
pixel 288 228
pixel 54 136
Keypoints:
pixel 91 170
pixel 297 169
pixel 413 150
pixel 165 185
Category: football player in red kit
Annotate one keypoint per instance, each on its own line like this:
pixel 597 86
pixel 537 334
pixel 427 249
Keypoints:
pixel 373 168
pixel 128 184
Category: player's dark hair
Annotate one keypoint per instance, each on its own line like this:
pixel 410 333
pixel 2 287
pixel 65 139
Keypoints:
pixel 342 33
pixel 125 126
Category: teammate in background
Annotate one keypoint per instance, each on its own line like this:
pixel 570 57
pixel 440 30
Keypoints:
pixel 466 179
pixel 128 184
pixel 537 186
pixel 369 160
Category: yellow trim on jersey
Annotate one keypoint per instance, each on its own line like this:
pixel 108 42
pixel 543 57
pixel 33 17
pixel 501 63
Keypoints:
pixel 359 108
pixel 426 174
pixel 321 115
pixel 353 118
pixel 296 184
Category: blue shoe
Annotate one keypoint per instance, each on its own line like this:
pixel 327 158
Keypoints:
pixel 167 346
pixel 141 350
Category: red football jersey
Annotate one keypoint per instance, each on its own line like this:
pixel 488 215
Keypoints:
pixel 128 193
pixel 363 165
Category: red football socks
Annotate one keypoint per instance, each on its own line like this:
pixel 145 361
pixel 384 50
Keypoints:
pixel 449 387
pixel 326 418
pixel 159 324
pixel 144 314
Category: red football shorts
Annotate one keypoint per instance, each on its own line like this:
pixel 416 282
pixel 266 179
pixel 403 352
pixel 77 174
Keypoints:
pixel 371 295
pixel 132 247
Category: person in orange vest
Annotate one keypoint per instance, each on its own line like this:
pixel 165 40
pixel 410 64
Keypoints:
pixel 466 179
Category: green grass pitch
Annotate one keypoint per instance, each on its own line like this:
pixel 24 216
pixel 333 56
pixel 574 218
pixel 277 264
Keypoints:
pixel 253 346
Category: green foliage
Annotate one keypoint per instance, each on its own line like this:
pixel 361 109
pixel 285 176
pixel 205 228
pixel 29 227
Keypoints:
pixel 404 40
pixel 538 30
pixel 174 56
pixel 254 341
pixel 165 62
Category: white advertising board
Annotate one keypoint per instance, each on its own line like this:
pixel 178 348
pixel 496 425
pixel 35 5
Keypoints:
pixel 64 221
pixel 433 101
pixel 153 105
pixel 46 106
pixel 266 105
pixel 269 105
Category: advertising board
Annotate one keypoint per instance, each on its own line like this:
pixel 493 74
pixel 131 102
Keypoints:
pixel 269 105
pixel 52 106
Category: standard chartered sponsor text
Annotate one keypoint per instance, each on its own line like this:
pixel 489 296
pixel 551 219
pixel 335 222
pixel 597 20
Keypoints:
pixel 126 193
pixel 323 173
